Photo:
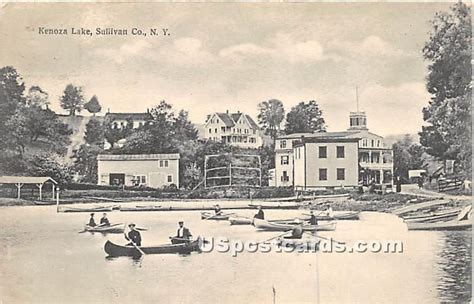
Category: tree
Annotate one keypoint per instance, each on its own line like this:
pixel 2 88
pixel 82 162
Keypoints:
pixel 305 118
pixel 72 99
pixel 448 51
pixel 85 162
pixel 270 117
pixel 47 164
pixel 93 105
pixel 407 155
pixel 94 134
pixel 37 97
pixel 11 93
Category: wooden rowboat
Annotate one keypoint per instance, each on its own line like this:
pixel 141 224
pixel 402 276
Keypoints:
pixel 114 228
pixel 141 208
pixel 88 209
pixel 214 217
pixel 115 250
pixel 240 220
pixel 271 226
pixel 450 225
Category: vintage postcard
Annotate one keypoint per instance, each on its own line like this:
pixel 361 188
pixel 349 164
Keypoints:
pixel 236 152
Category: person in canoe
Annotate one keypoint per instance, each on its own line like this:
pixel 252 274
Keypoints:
pixel 260 215
pixel 183 232
pixel 329 211
pixel 217 209
pixel 296 231
pixel 312 219
pixel 92 221
pixel 133 236
pixel 104 221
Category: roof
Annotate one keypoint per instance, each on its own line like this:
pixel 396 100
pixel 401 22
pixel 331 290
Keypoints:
pixel 342 134
pixel 230 119
pixel 325 140
pixel 251 121
pixel 133 116
pixel 25 179
pixel 131 157
pixel 226 119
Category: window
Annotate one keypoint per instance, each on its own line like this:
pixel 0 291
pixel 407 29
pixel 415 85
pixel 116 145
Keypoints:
pixel 170 178
pixel 210 130
pixel 139 180
pixel 341 174
pixel 282 144
pixel 217 120
pixel 252 140
pixel 323 152
pixel 284 160
pixel 285 177
pixel 323 174
pixel 372 143
pixel 340 152
pixel 163 163
pixel 223 129
pixel 215 130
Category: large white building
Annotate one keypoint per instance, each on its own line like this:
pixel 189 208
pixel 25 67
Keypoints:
pixel 237 129
pixel 325 162
pixel 151 170
pixel 375 159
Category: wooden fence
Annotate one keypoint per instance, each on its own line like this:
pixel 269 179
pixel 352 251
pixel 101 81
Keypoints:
pixel 449 184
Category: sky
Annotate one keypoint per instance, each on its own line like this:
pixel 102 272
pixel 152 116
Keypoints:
pixel 231 56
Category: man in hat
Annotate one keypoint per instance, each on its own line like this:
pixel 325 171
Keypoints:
pixel 183 232
pixel 104 221
pixel 312 220
pixel 92 221
pixel 260 215
pixel 217 209
pixel 133 236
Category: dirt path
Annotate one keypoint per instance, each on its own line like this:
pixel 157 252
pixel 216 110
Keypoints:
pixel 414 190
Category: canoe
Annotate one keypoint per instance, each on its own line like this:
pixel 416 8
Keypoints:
pixel 115 250
pixel 271 226
pixel 88 209
pixel 427 215
pixel 276 205
pixel 240 220
pixel 338 216
pixel 213 217
pixel 141 208
pixel 450 225
pixel 434 217
pixel 114 228
pixel 44 203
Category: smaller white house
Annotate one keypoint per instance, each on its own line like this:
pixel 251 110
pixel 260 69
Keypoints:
pixel 151 170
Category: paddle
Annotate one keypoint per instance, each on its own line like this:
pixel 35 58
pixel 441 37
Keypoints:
pixel 275 237
pixel 134 245
pixel 324 238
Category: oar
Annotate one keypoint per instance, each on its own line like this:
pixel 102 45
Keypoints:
pixel 275 237
pixel 324 238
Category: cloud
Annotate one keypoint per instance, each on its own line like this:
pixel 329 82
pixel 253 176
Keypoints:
pixel 282 47
pixel 371 46
pixel 182 52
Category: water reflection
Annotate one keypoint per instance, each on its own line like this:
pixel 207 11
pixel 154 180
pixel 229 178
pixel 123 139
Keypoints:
pixel 455 264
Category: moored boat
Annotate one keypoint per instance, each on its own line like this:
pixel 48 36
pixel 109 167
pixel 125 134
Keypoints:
pixel 276 205
pixel 449 225
pixel 141 208
pixel 88 209
pixel 213 216
pixel 114 228
pixel 272 226
pixel 115 250
pixel 240 220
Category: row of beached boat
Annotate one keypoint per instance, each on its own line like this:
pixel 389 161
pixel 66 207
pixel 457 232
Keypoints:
pixel 438 215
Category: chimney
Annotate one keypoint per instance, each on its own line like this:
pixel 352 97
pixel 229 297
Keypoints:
pixel 227 111
pixel 108 110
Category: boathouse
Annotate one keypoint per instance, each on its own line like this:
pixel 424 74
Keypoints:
pixel 150 170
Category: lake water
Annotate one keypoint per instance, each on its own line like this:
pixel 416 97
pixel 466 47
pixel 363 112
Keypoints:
pixel 43 259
